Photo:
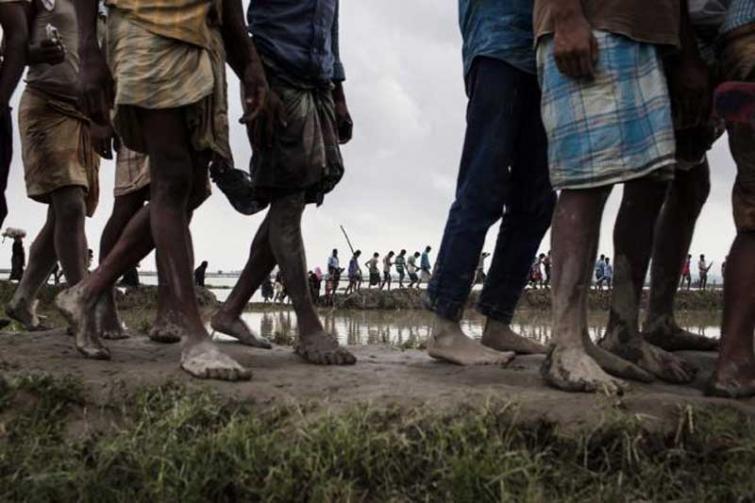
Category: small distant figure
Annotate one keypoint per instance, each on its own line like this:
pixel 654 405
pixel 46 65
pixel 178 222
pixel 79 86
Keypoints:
pixel 315 284
pixel 355 273
pixel 425 268
pixel 411 268
pixel 480 275
pixel 703 267
pixel 267 291
pixel 400 264
pixel 600 272
pixel 17 259
pixel 374 269
pixel 330 290
pixel 199 273
pixel 687 272
pixel 547 268
pixel 387 265
pixel 334 268
pixel 56 274
pixel 280 288
pixel 90 259
pixel 536 273
pixel 608 274
pixel 130 278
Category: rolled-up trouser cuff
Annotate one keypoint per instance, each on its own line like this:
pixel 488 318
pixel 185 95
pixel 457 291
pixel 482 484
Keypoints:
pixel 450 310
pixel 495 313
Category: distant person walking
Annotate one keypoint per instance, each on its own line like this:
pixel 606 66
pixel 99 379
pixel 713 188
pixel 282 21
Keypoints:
pixel 199 273
pixel 400 264
pixel 480 272
pixel 267 290
pixel 608 274
pixel 17 259
pixel 355 273
pixel 387 265
pixel 411 268
pixel 687 272
pixel 703 267
pixel 334 269
pixel 600 271
pixel 425 267
pixel 373 266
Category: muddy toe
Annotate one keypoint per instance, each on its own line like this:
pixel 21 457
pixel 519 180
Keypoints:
pixel 94 353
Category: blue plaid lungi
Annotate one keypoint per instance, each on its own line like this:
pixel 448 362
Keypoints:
pixel 740 13
pixel 614 128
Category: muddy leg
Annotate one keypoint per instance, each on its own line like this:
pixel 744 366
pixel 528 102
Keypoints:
pixel 575 235
pixel 673 235
pixel 21 307
pixel 735 372
pixel 124 208
pixel 633 241
pixel 286 242
pixel 259 266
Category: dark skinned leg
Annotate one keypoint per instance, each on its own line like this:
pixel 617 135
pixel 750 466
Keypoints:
pixel 258 267
pixel 735 371
pixel 574 363
pixel 314 346
pixel 42 259
pixel 633 242
pixel 164 218
pixel 70 239
pixel 673 236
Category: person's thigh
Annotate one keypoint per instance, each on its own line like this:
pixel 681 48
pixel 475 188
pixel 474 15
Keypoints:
pixel 168 143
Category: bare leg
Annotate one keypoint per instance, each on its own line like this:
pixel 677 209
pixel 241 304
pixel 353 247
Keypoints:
pixel 124 208
pixel 259 266
pixel 70 239
pixel 501 337
pixel 633 242
pixel 673 235
pixel 315 346
pixel 164 218
pixel 42 258
pixel 574 363
pixel 735 372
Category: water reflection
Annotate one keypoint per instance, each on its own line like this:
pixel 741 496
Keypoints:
pixel 411 328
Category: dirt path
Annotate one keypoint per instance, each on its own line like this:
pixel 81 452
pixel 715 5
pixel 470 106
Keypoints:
pixel 384 376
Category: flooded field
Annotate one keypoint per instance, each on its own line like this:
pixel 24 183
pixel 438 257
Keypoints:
pixel 411 328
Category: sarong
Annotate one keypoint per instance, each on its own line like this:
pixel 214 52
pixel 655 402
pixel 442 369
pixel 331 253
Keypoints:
pixel 614 128
pixel 305 156
pixel 156 72
pixel 131 171
pixel 57 149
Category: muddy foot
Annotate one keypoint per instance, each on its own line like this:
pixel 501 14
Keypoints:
pixel 25 314
pixel 662 364
pixel 238 329
pixel 500 337
pixel 617 366
pixel 572 369
pixel 73 305
pixel 165 332
pixel 735 381
pixel 322 349
pixel 206 361
pixel 448 343
pixel 108 321
pixel 667 335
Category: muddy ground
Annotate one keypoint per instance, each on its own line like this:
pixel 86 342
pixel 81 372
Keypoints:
pixel 384 376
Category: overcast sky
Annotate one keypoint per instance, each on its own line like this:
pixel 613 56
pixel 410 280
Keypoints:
pixel 405 91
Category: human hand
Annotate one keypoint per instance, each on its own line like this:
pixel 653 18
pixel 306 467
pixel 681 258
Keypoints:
pixel 575 48
pixel 47 52
pixel 102 139
pixel 96 86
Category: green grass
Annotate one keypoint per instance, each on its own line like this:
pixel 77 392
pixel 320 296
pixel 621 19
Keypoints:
pixel 171 444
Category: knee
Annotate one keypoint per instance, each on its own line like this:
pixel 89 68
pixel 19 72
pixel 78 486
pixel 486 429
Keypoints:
pixel 171 171
pixel 69 206
pixel 693 187
pixel 473 212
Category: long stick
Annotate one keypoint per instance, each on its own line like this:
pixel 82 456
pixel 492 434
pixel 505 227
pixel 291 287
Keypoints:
pixel 347 239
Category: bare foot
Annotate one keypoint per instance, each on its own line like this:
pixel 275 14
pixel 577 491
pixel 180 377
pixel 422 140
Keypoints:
pixel 450 344
pixel 500 337
pixel 322 349
pixel 734 381
pixel 238 329
pixel 660 363
pixel 25 313
pixel 666 334
pixel 108 321
pixel 165 331
pixel 78 312
pixel 572 369
pixel 206 361
pixel 617 366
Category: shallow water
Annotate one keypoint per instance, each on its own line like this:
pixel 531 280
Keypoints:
pixel 412 327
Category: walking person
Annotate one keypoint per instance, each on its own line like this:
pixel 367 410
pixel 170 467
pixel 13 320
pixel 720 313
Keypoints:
pixel 17 259
pixel 687 272
pixel 412 269
pixel 400 264
pixel 387 265
pixel 355 274
pixel 702 268
pixel 425 267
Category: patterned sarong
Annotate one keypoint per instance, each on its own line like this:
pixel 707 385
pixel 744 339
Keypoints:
pixel 57 149
pixel 156 72
pixel 305 156
pixel 614 128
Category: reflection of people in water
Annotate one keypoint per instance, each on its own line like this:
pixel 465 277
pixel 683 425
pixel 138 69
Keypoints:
pixel 266 324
